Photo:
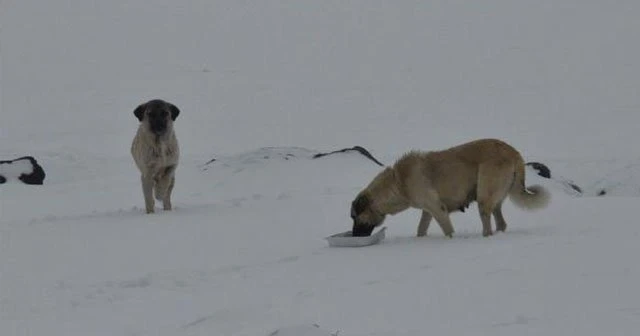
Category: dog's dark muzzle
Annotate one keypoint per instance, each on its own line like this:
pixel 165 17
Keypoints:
pixel 158 127
pixel 362 230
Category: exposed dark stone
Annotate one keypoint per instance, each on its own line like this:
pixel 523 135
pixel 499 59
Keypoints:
pixel 545 172
pixel 358 149
pixel 288 156
pixel 575 187
pixel 37 173
pixel 602 192
pixel 542 169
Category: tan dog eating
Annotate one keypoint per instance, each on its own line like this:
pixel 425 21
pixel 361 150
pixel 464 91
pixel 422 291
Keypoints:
pixel 441 182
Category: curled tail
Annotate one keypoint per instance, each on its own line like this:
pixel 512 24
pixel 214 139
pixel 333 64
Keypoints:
pixel 528 198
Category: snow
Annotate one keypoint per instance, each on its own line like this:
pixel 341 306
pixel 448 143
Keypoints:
pixel 243 253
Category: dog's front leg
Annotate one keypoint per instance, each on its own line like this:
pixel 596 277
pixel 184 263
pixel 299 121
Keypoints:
pixel 441 215
pixel 425 219
pixel 166 202
pixel 147 191
pixel 438 210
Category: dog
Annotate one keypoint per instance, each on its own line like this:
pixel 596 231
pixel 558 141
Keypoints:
pixel 442 182
pixel 155 151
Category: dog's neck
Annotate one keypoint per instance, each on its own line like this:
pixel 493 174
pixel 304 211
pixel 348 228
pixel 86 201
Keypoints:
pixel 388 197
pixel 393 204
pixel 155 138
pixel 159 139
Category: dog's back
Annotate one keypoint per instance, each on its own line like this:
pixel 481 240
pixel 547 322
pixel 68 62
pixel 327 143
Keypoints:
pixel 454 172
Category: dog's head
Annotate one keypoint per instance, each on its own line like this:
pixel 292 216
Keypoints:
pixel 364 215
pixel 158 115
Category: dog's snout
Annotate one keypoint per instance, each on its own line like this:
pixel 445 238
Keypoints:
pixel 157 122
pixel 157 125
pixel 362 230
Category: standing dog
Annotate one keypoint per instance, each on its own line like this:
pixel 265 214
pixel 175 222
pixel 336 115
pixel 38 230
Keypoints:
pixel 155 151
pixel 442 182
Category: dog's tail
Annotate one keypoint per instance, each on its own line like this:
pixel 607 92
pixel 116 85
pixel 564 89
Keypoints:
pixel 528 198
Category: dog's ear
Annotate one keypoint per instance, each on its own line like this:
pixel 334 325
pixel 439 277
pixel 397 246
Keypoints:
pixel 174 111
pixel 139 111
pixel 359 205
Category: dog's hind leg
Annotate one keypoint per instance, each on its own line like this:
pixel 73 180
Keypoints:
pixel 494 181
pixel 485 208
pixel 501 224
pixel 147 191
pixel 425 219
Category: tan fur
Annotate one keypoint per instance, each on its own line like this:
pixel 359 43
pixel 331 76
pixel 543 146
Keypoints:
pixel 156 156
pixel 441 182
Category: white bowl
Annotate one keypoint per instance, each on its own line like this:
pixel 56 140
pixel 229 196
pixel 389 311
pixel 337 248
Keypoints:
pixel 346 239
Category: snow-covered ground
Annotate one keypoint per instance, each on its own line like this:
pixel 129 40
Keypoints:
pixel 243 252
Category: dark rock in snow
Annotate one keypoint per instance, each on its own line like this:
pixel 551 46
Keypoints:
pixel 284 153
pixel 358 149
pixel 541 168
pixel 544 171
pixel 25 168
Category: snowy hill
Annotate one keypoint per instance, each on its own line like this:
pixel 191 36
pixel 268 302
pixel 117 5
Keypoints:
pixel 263 86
